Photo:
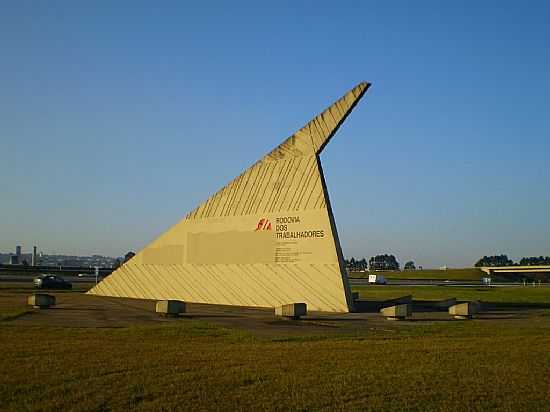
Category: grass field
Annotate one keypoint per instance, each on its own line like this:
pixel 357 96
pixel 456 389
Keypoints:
pixel 466 274
pixel 494 363
pixel 514 296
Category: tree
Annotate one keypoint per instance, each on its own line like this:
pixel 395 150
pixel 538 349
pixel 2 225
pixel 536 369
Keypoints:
pixel 128 256
pixel 534 261
pixel 355 265
pixel 119 261
pixel 409 265
pixel 383 262
pixel 497 260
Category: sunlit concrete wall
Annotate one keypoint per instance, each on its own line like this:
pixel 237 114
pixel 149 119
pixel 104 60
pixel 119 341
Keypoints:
pixel 266 239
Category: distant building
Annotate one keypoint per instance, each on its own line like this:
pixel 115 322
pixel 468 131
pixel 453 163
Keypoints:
pixel 18 252
pixel 34 260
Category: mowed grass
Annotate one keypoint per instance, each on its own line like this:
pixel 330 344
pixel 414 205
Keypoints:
pixel 194 365
pixel 467 274
pixel 12 313
pixel 521 295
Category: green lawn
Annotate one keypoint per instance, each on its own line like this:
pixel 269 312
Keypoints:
pixel 480 365
pixel 13 313
pixel 466 274
pixel 196 366
pixel 511 294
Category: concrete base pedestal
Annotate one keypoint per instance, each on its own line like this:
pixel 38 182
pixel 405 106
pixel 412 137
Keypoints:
pixel 170 308
pixel 41 301
pixel 291 310
pixel 464 311
pixel 397 312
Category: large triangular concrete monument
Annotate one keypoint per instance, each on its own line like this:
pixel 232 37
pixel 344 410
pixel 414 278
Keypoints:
pixel 267 238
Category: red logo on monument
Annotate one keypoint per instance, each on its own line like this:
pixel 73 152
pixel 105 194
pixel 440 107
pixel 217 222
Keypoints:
pixel 263 224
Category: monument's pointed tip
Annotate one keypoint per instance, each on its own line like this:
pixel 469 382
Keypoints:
pixel 361 87
pixel 313 137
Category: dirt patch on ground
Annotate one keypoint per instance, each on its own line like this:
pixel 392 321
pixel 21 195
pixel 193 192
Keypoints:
pixel 76 309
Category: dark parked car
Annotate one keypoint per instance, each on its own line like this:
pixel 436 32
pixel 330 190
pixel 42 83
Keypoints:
pixel 51 282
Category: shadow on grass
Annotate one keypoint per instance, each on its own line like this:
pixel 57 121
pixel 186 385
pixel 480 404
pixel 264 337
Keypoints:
pixel 414 320
pixel 503 306
pixel 374 306
pixel 304 323
pixel 213 316
pixel 13 315
pixel 78 309
pixel 330 319
pixel 484 317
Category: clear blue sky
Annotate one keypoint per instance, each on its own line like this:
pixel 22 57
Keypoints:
pixel 115 120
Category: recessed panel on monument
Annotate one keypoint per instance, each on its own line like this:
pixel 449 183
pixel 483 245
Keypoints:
pixel 266 239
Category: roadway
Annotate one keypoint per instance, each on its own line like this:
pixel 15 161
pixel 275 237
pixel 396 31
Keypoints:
pixel 428 282
pixel 29 278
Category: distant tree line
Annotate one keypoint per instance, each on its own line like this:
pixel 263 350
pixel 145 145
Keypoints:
pixel 535 261
pixel 378 262
pixel 503 260
pixel 497 260
pixel 356 265
pixel 119 261
pixel 383 262
pixel 409 265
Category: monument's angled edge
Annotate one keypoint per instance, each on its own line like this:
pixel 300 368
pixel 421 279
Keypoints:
pixel 265 239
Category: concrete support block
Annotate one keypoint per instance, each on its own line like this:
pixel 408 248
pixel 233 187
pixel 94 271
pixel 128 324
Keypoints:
pixel 397 312
pixel 170 308
pixel 291 310
pixel 41 300
pixel 464 310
